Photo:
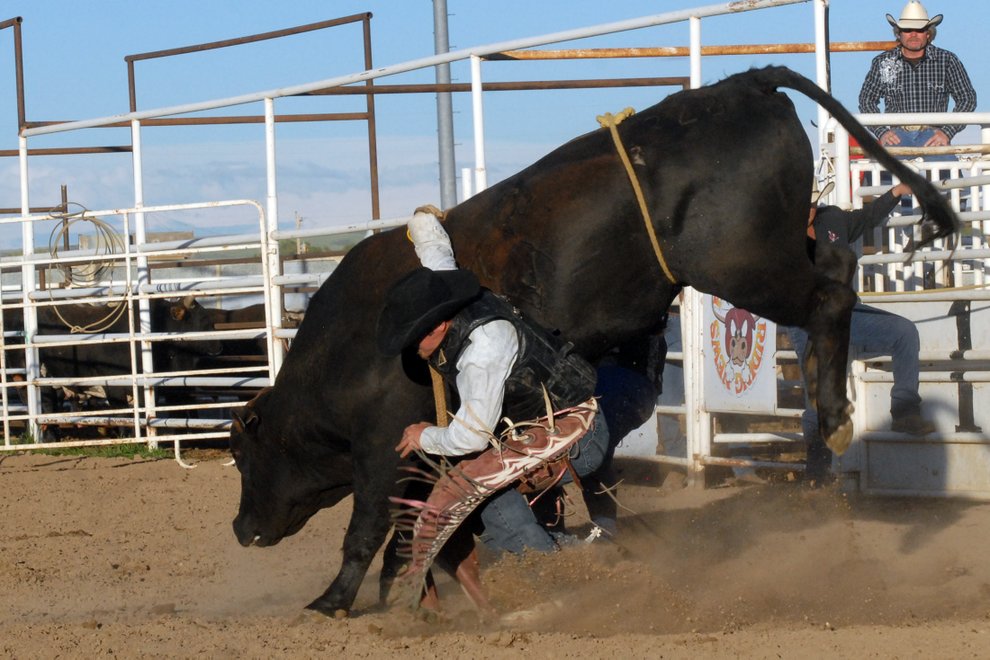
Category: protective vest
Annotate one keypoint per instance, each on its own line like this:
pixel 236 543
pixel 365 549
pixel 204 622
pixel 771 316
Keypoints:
pixel 544 360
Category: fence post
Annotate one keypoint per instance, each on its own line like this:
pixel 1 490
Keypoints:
pixel 480 171
pixel 698 423
pixel 695 57
pixel 270 257
pixel 143 279
pixel 28 285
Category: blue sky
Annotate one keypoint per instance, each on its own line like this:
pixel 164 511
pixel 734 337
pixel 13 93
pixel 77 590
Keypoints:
pixel 75 69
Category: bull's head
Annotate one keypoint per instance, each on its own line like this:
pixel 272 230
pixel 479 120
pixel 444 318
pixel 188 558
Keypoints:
pixel 739 325
pixel 187 315
pixel 282 483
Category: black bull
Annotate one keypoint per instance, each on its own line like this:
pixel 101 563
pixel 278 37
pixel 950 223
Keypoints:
pixel 726 172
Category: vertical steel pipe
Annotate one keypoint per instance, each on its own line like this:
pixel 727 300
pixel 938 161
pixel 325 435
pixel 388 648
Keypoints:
pixel 695 49
pixel 822 67
pixel 31 362
pixel 445 113
pixel 480 171
pixel 274 306
pixel 144 278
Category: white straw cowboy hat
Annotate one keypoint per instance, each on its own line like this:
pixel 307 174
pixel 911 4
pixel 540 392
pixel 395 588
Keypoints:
pixel 914 17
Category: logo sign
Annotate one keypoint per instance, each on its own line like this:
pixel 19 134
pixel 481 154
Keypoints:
pixel 740 374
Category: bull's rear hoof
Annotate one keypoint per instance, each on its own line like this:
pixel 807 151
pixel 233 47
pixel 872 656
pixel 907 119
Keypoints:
pixel 328 609
pixel 840 440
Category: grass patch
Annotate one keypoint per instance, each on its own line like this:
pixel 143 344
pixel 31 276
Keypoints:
pixel 107 451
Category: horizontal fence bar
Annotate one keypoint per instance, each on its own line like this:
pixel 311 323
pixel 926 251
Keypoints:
pixel 370 226
pixel 923 118
pixel 685 51
pixel 968 376
pixel 750 463
pixel 750 438
pixel 254 38
pixel 948 184
pixel 50 340
pixel 976 292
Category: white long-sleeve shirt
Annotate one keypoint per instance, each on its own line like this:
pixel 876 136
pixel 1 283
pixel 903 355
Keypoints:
pixel 482 367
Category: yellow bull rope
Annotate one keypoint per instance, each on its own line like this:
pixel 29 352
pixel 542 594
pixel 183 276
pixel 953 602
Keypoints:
pixel 610 121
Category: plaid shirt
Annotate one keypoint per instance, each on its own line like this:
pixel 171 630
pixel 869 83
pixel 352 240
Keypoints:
pixel 925 87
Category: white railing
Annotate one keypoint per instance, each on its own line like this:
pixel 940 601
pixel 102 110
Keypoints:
pixel 142 377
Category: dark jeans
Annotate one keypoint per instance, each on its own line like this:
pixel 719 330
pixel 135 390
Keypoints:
pixel 510 524
pixel 876 332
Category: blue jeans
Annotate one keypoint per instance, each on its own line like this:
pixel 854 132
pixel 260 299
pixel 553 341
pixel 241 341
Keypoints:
pixel 917 139
pixel 510 524
pixel 877 332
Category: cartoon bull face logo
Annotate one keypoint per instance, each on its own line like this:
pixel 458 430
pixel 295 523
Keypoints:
pixel 738 333
pixel 737 338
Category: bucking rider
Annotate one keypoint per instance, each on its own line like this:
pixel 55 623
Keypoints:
pixel 499 364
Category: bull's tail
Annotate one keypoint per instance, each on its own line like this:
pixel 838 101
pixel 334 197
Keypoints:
pixel 939 219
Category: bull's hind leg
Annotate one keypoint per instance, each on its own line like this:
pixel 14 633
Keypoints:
pixel 828 351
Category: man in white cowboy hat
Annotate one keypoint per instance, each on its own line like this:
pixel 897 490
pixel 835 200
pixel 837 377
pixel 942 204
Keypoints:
pixel 916 76
pixel 871 330
pixel 497 363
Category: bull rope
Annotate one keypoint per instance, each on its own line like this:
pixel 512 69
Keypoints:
pixel 439 397
pixel 610 121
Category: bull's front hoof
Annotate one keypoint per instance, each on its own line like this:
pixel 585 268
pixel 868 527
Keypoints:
pixel 840 440
pixel 328 609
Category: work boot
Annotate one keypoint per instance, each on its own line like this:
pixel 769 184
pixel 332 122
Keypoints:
pixel 912 423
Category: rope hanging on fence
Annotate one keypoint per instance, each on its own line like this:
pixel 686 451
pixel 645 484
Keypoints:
pixel 610 121
pixel 91 273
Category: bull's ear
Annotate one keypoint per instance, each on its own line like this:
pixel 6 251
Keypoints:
pixel 245 417
pixel 250 414
pixel 180 310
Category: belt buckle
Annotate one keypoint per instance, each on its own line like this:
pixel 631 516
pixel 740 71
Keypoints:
pixel 913 128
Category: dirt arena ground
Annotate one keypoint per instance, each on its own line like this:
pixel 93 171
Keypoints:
pixel 136 559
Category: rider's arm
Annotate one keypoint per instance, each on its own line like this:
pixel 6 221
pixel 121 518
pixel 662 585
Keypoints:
pixel 483 368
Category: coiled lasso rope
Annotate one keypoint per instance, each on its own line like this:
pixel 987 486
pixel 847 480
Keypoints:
pixel 610 121
pixel 108 241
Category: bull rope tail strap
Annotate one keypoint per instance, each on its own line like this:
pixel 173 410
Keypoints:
pixel 610 121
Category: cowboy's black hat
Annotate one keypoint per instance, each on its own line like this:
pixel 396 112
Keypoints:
pixel 419 302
